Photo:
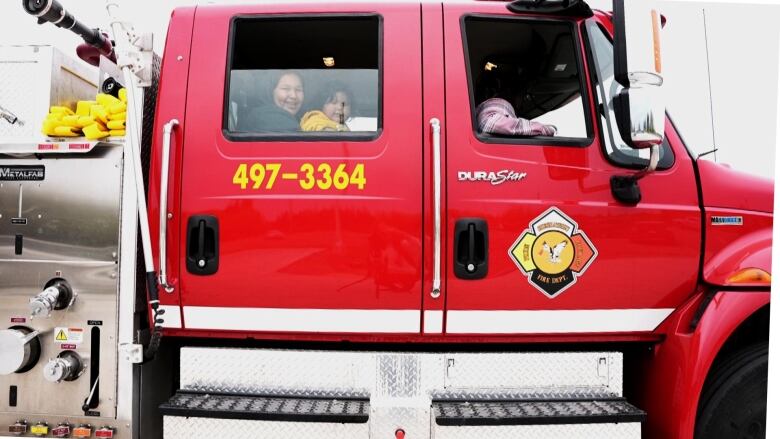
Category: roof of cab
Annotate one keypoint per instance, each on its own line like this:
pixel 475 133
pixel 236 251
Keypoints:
pixel 212 3
pixel 276 3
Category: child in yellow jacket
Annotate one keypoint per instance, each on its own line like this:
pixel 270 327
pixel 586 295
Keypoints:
pixel 335 110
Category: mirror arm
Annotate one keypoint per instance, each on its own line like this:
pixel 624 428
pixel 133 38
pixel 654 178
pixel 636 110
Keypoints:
pixel 625 188
pixel 655 158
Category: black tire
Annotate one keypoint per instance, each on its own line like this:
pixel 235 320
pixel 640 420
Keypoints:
pixel 733 403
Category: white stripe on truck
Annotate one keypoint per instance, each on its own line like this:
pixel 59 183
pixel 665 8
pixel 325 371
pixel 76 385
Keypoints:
pixel 408 321
pixel 303 320
pixel 555 322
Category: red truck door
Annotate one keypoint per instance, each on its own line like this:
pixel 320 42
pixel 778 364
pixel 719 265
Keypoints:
pixel 535 240
pixel 303 231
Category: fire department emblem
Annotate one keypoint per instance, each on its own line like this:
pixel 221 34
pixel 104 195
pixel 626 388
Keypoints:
pixel 553 252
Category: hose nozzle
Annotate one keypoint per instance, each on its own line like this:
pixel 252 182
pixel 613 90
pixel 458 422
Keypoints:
pixel 52 11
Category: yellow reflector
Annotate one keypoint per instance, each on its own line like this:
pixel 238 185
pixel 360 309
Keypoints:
pixel 750 276
pixel 656 40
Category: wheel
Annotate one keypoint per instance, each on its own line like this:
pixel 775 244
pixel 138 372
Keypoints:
pixel 733 403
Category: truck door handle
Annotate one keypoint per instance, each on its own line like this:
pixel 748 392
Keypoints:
pixel 436 146
pixel 471 248
pixel 202 244
pixel 166 154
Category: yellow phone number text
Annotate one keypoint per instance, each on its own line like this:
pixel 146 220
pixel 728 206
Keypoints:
pixel 309 176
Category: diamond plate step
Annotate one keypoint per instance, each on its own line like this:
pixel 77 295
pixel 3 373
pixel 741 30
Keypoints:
pixel 604 411
pixel 400 386
pixel 266 408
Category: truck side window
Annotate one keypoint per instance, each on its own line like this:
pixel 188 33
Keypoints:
pixel 607 88
pixel 525 79
pixel 307 77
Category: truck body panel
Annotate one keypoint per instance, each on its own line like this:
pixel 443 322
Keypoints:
pixel 574 179
pixel 171 104
pixel 731 248
pixel 378 261
pixel 727 188
pixel 356 251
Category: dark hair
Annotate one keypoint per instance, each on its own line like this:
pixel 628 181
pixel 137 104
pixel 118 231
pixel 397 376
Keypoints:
pixel 272 80
pixel 330 89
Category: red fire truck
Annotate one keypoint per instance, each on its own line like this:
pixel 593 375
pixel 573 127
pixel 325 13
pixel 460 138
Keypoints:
pixel 388 220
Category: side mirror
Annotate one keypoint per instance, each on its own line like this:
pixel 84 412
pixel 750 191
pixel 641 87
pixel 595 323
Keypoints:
pixel 639 108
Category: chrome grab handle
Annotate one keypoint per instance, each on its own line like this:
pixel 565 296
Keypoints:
pixel 167 131
pixel 436 130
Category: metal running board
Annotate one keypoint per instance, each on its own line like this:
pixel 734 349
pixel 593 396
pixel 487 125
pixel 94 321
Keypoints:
pixel 422 393
pixel 266 408
pixel 450 413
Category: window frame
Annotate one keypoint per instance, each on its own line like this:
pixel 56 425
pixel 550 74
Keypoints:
pixel 553 141
pixel 594 79
pixel 310 136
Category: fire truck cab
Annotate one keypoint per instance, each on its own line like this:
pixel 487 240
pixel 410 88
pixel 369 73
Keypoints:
pixel 420 220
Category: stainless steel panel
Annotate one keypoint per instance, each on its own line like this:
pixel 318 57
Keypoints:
pixel 482 375
pixel 385 421
pixel 401 385
pixel 399 397
pixel 477 376
pixel 72 233
pixel 127 324
pixel 203 428
pixel 58 80
pixel 275 372
pixel 72 215
pixel 574 431
pixel 96 286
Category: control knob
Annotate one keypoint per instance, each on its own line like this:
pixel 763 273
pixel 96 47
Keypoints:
pixel 66 367
pixel 57 295
pixel 19 349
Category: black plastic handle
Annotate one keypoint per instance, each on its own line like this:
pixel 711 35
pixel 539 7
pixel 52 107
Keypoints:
pixel 202 244
pixel 471 248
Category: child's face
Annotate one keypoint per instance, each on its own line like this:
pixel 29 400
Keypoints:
pixel 337 107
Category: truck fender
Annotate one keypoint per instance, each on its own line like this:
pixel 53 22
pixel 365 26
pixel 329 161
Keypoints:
pixel 753 250
pixel 675 372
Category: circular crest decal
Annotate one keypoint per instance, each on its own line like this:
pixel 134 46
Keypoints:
pixel 553 252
